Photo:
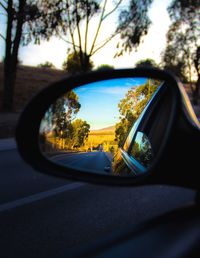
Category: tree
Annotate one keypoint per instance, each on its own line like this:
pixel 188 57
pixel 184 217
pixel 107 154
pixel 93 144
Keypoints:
pixel 47 64
pixel 132 105
pixel 73 64
pixel 146 63
pixel 133 25
pixel 183 45
pixel 172 63
pixel 105 67
pixel 71 20
pixel 58 119
pixel 18 13
pixel 80 132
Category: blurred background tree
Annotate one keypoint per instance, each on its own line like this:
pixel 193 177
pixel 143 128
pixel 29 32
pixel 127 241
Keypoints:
pixel 182 54
pixel 104 67
pixel 47 64
pixel 73 64
pixel 133 24
pixel 71 21
pixel 20 15
pixel 149 63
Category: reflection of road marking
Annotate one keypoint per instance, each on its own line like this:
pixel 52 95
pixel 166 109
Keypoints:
pixel 40 196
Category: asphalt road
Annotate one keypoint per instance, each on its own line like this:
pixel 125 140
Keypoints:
pixel 91 161
pixel 46 217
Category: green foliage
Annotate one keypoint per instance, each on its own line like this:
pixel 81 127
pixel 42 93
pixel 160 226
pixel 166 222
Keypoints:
pixel 61 114
pixel 146 63
pixel 80 132
pixel 132 106
pixel 73 64
pixel 47 64
pixel 133 25
pixel 59 122
pixel 104 67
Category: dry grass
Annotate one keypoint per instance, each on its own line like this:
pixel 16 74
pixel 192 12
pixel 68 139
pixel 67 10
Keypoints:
pixel 29 81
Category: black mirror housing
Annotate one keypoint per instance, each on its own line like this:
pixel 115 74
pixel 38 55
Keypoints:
pixel 180 132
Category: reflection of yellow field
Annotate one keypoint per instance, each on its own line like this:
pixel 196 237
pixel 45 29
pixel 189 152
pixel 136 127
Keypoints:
pixel 97 139
pixel 104 137
pixel 100 138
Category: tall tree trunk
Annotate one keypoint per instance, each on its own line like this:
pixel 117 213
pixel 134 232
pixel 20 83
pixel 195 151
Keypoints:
pixel 11 57
pixel 7 97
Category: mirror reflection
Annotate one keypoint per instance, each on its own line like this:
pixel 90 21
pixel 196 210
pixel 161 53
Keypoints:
pixel 88 127
pixel 142 149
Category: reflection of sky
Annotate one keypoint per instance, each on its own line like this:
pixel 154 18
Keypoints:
pixel 99 100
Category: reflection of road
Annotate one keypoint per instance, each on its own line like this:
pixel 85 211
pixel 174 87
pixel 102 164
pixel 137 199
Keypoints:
pixel 97 161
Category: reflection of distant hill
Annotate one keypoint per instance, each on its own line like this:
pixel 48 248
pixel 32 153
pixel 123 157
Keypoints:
pixel 104 131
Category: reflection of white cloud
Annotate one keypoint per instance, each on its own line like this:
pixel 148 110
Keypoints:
pixel 112 87
pixel 112 90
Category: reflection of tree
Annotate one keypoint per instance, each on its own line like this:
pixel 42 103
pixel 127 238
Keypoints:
pixel 146 154
pixel 132 106
pixel 80 132
pixel 135 152
pixel 142 150
pixel 59 123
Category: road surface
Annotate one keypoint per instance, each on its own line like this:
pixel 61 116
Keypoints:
pixel 46 217
pixel 91 161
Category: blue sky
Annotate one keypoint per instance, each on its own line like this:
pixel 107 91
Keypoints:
pixel 99 100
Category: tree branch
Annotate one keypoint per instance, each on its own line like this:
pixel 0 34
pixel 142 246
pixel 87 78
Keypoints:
pixel 86 30
pixel 3 7
pixel 113 10
pixel 2 37
pixel 70 27
pixel 78 28
pixel 98 28
pixel 104 43
pixel 67 41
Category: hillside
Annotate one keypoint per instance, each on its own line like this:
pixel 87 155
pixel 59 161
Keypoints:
pixel 103 131
pixel 29 81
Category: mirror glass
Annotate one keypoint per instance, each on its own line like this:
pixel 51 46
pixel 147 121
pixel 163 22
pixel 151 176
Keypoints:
pixel 141 149
pixel 89 127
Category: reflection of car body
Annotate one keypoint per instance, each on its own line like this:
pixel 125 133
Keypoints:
pixel 134 157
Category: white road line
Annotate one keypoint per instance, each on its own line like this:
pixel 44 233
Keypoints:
pixel 40 196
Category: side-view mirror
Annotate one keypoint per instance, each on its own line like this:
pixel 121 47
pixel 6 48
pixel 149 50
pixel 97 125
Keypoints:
pixel 121 127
